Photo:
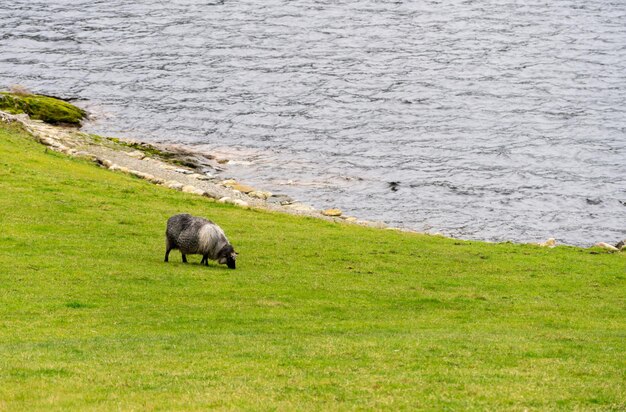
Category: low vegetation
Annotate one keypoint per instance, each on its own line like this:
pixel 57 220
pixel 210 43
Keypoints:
pixel 45 108
pixel 317 315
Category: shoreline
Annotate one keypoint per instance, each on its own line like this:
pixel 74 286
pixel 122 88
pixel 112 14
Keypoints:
pixel 174 167
pixel 179 168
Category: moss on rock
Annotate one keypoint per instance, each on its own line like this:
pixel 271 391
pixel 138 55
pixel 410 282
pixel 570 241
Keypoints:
pixel 47 109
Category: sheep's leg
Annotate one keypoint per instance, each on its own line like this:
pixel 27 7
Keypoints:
pixel 205 259
pixel 184 258
pixel 168 248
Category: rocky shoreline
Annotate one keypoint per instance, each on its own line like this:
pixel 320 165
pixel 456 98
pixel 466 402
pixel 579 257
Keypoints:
pixel 196 173
pixel 174 167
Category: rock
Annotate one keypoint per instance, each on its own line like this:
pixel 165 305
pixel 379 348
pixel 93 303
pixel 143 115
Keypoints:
pixel 260 195
pixel 183 171
pixel 332 212
pixel 351 219
pixel 199 192
pixel 136 154
pixel 156 180
pixel 206 177
pixel 211 194
pixel 174 185
pixel 86 155
pixel 137 173
pixel 189 189
pixel 114 167
pixel 237 186
pixel 620 245
pixel 608 247
pixel 222 161
pixel 300 207
pixel 106 163
pixel 548 243
pixel 240 203
pixel 123 169
pixel 231 201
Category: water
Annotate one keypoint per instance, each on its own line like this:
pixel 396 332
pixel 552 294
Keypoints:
pixel 497 120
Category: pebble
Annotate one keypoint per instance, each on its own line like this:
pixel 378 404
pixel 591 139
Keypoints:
pixel 183 171
pixel 549 243
pixel 189 189
pixel 301 207
pixel 136 154
pixel 240 187
pixel 240 203
pixel 107 163
pixel 608 247
pixel 174 185
pixel 260 195
pixel 332 212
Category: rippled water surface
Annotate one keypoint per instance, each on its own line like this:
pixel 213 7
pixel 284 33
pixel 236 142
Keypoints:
pixel 498 120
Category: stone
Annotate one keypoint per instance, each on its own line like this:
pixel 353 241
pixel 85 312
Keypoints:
pixel 189 189
pixel 549 243
pixel 114 167
pixel 224 199
pixel 107 163
pixel 300 207
pixel 86 155
pixel 239 187
pixel 608 247
pixel 205 177
pixel 351 219
pixel 137 154
pixel 620 245
pixel 156 180
pixel 332 212
pixel 183 171
pixel 174 185
pixel 137 173
pixel 211 195
pixel 240 203
pixel 260 195
pixel 199 192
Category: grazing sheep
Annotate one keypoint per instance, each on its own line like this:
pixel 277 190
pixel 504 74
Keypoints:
pixel 196 235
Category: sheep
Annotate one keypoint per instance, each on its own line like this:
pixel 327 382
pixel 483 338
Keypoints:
pixel 196 235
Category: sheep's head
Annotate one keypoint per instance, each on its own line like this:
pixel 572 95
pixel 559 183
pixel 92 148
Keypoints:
pixel 227 256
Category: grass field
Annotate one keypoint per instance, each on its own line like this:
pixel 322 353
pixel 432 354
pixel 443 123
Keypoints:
pixel 317 316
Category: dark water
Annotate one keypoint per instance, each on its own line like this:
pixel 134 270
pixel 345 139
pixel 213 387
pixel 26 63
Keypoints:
pixel 499 120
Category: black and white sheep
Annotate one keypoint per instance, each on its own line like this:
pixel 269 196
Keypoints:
pixel 196 235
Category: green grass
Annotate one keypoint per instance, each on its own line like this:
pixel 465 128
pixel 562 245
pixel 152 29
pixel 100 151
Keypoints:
pixel 48 109
pixel 317 315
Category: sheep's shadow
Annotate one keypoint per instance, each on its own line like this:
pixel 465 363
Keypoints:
pixel 211 265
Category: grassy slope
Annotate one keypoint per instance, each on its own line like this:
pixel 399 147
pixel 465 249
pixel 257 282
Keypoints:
pixel 317 315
